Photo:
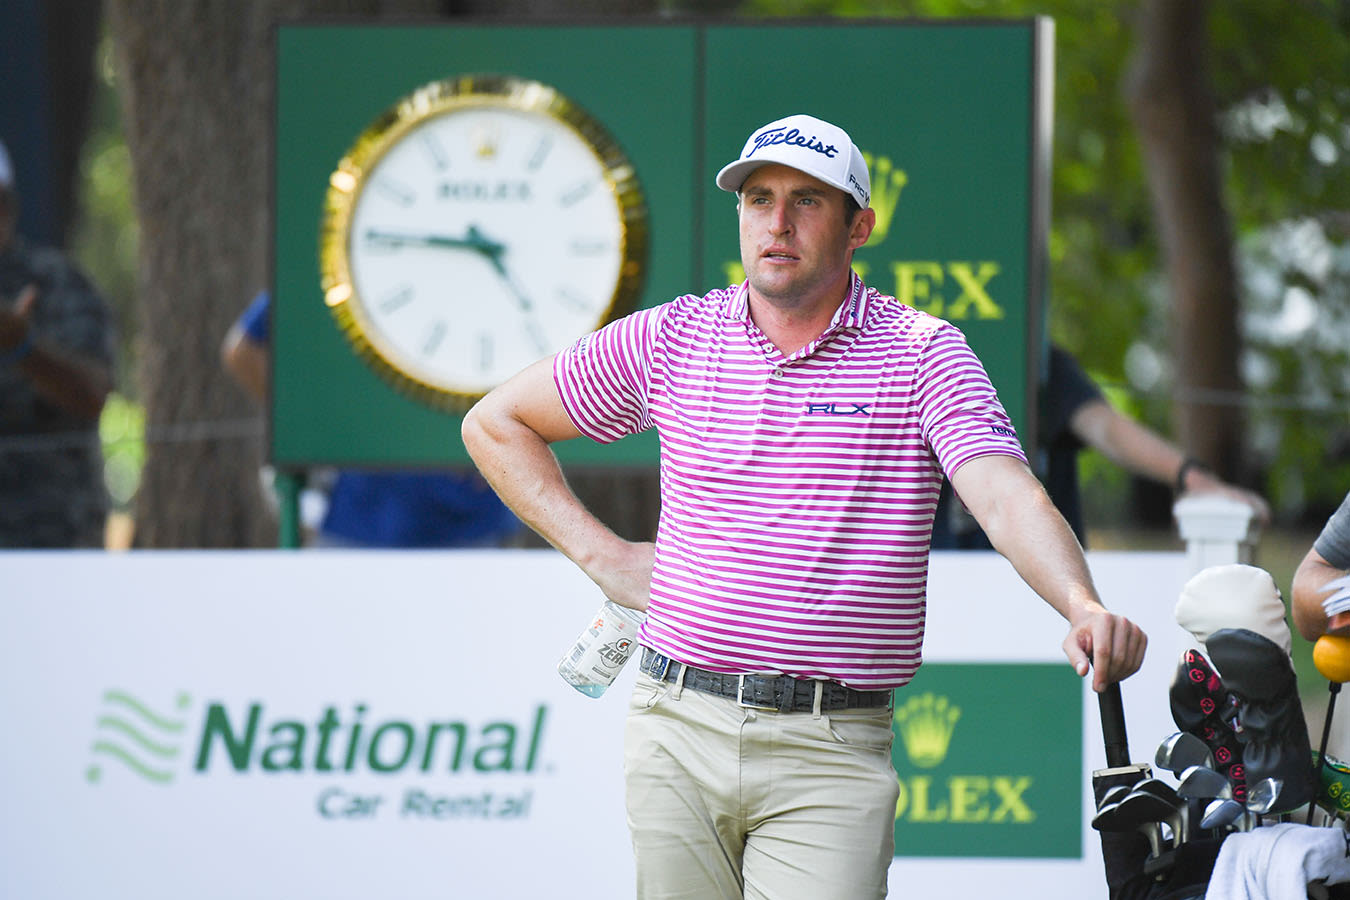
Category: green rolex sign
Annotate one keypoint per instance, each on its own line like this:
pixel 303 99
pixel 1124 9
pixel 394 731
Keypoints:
pixel 984 771
pixel 953 118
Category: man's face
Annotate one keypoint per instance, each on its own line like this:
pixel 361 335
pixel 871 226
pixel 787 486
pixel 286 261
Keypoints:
pixel 795 243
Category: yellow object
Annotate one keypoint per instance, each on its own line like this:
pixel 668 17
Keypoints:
pixel 1331 655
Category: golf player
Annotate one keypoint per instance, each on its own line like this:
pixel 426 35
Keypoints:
pixel 806 422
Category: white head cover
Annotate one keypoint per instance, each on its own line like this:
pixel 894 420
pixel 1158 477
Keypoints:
pixel 808 145
pixel 1234 596
pixel 6 168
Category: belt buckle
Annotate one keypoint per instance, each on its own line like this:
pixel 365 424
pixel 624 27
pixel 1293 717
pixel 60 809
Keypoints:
pixel 741 701
pixel 656 671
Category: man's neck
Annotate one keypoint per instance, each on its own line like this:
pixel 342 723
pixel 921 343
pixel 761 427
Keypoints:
pixel 791 327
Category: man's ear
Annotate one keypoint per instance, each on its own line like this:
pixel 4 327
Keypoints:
pixel 862 226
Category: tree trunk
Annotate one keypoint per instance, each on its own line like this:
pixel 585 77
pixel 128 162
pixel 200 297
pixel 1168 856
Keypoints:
pixel 196 86
pixel 1175 111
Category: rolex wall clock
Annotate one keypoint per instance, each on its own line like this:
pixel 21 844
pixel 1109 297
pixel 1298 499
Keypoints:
pixel 479 224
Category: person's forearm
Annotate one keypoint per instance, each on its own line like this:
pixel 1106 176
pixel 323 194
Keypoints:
pixel 521 468
pixel 75 386
pixel 508 434
pixel 1141 451
pixel 1023 525
pixel 1039 544
pixel 1308 592
pixel 1127 443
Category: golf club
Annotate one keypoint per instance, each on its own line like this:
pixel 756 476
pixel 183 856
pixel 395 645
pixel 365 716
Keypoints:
pixel 1164 791
pixel 1114 794
pixel 1205 784
pixel 1110 818
pixel 1182 750
pixel 1220 813
pixel 1261 799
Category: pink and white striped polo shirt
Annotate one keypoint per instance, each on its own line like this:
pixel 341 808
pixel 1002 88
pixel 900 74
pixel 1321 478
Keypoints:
pixel 797 493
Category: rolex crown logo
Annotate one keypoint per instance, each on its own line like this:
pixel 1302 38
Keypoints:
pixel 887 183
pixel 485 142
pixel 926 723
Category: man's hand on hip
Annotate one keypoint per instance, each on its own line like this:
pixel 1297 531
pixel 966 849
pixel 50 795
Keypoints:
pixel 625 574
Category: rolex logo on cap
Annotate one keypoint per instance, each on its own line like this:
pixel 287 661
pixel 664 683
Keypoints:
pixel 809 145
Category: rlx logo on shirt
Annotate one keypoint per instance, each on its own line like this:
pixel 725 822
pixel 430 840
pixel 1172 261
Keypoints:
pixel 838 409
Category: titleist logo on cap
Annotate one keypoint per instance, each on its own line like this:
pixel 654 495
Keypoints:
pixel 793 137
pixel 807 144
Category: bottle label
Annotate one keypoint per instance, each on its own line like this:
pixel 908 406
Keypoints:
pixel 601 651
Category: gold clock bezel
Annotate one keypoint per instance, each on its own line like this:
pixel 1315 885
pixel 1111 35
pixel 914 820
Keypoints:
pixel 444 97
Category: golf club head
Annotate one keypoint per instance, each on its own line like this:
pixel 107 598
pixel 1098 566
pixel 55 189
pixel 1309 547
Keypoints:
pixel 1182 750
pixel 1221 813
pixel 1204 784
pixel 1262 796
pixel 1107 817
pixel 1161 789
pixel 1142 807
pixel 1113 794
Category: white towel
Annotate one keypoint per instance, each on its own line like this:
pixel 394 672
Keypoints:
pixel 1276 862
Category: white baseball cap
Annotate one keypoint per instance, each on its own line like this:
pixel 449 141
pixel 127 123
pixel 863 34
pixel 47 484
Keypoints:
pixel 6 168
pixel 808 145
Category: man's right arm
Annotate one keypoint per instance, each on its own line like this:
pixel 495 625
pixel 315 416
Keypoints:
pixel 1327 560
pixel 508 434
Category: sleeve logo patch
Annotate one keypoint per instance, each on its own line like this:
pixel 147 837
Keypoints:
pixel 1000 430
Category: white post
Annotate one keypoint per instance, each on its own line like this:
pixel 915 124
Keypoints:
pixel 1218 530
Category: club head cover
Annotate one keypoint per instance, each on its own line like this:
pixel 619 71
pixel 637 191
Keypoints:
pixel 1251 665
pixel 1233 596
pixel 1274 733
pixel 1203 706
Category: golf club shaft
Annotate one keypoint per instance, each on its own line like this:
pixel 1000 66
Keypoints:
pixel 1335 688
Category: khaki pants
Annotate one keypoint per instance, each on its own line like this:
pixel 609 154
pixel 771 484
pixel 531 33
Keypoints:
pixel 727 803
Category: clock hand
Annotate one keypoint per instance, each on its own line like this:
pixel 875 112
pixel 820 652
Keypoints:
pixel 494 256
pixel 494 251
pixel 473 240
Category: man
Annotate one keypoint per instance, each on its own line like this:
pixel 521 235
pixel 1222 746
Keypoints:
pixel 805 424
pixel 56 356
pixel 1077 415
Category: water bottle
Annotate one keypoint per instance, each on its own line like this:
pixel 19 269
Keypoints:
pixel 601 649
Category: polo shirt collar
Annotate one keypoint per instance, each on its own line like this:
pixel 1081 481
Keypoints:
pixel 851 313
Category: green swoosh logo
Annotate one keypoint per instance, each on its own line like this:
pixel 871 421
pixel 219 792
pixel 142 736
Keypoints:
pixel 138 737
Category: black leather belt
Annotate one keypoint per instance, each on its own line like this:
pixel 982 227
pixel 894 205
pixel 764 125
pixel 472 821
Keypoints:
pixel 780 692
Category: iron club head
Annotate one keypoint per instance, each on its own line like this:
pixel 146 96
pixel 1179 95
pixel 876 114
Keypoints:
pixel 1204 783
pixel 1182 750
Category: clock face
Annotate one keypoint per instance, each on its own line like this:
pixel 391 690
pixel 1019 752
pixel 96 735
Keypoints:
pixel 481 224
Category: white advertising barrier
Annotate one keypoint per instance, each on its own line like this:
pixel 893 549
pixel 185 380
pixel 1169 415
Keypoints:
pixel 368 724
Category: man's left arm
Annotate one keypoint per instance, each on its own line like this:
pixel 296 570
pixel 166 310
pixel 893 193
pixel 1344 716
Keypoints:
pixel 1013 509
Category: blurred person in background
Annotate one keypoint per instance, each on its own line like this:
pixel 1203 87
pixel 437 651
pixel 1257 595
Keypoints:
pixel 1075 415
pixel 384 508
pixel 57 348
